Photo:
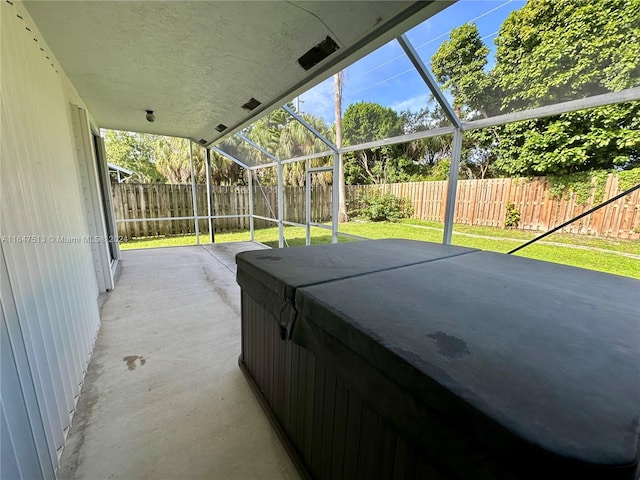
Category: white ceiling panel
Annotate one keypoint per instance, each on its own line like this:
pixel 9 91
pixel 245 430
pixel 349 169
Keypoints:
pixel 195 63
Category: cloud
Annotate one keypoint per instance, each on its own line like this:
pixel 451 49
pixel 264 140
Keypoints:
pixel 413 103
pixel 319 101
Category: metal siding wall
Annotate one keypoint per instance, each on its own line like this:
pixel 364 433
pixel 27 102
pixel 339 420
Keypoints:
pixel 8 458
pixel 13 347
pixel 49 286
pixel 16 425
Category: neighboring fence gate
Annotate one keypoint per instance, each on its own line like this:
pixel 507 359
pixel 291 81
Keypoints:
pixel 478 202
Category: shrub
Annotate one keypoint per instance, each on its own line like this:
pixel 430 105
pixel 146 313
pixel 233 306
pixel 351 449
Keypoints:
pixel 378 207
pixel 512 216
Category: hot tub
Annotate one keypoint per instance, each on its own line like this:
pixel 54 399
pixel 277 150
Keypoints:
pixel 401 359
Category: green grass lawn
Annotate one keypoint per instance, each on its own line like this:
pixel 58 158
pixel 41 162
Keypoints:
pixel 501 241
pixel 618 245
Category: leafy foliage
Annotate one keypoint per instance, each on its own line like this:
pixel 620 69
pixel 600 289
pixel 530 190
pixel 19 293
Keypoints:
pixel 364 122
pixel 628 179
pixel 134 152
pixel 459 65
pixel 286 138
pixel 583 185
pixel 411 161
pixel 511 216
pixel 586 184
pixel 600 138
pixel 557 50
pixel 379 207
pixel 172 160
pixel 551 51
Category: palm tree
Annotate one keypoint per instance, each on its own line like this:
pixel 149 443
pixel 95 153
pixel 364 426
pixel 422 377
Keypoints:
pixel 338 80
pixel 296 140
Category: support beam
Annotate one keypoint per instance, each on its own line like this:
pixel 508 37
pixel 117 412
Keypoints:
pixel 628 95
pixel 257 147
pixel 263 165
pixel 228 156
pixel 311 156
pixel 452 187
pixel 409 137
pixel 335 194
pixel 194 198
pixel 280 206
pixel 336 166
pixel 209 202
pixel 307 201
pixel 322 138
pixel 278 165
pixel 426 76
pixel 435 132
pixel 320 169
pixel 251 226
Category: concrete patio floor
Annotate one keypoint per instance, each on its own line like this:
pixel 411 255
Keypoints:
pixel 164 397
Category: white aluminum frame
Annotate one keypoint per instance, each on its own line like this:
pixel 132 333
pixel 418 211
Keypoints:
pixel 457 129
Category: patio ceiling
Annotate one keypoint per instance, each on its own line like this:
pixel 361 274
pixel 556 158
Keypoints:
pixel 196 63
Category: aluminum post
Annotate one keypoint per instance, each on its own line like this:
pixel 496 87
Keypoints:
pixel 307 201
pixel 194 198
pixel 251 229
pixel 335 194
pixel 209 204
pixel 452 187
pixel 280 206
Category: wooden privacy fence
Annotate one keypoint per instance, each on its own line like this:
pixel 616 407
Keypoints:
pixel 479 202
pixel 483 202
pixel 148 201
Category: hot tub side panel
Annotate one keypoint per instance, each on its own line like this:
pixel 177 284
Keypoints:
pixel 332 431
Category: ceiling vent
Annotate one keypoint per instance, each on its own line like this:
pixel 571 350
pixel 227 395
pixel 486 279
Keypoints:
pixel 221 127
pixel 318 53
pixel 251 104
pixel 202 141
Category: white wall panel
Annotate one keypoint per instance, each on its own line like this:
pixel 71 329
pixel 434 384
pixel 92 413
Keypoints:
pixel 48 286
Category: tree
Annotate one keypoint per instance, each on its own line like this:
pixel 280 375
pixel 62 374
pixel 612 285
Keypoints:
pixel 426 151
pixel 364 122
pixel 226 172
pixel 173 160
pixel 601 138
pixel 478 159
pixel 285 137
pixel 296 140
pixel 551 51
pixel 135 152
pixel 548 52
pixel 577 49
pixel 459 65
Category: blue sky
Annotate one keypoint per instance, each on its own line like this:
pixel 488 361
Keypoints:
pixel 387 77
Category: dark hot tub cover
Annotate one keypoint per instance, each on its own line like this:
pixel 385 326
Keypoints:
pixel 532 363
pixel 282 271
